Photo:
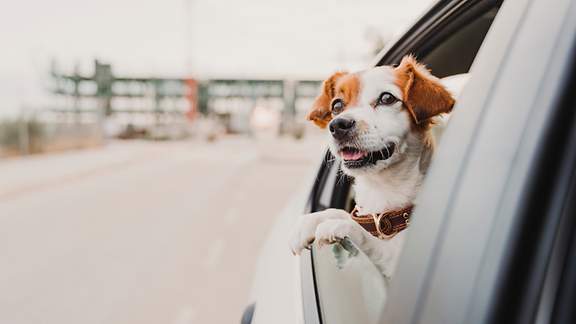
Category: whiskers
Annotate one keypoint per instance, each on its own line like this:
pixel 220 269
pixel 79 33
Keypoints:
pixel 329 158
pixel 342 177
pixel 387 150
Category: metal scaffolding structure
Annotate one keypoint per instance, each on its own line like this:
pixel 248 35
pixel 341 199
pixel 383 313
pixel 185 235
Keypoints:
pixel 161 100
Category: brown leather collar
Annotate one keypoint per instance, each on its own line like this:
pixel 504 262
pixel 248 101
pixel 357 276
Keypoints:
pixel 384 225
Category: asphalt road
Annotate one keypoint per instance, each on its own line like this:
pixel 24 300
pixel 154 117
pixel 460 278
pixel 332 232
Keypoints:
pixel 141 232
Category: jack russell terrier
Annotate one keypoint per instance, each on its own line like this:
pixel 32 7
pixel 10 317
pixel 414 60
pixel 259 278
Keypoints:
pixel 380 127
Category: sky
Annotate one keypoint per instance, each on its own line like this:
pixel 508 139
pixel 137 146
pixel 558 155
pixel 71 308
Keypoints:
pixel 203 38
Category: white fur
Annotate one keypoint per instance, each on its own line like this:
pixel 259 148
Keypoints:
pixel 387 185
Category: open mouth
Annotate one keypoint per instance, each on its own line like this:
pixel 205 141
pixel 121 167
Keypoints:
pixel 355 158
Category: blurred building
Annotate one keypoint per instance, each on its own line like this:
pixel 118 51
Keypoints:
pixel 163 107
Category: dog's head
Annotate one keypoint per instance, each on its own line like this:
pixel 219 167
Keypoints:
pixel 371 113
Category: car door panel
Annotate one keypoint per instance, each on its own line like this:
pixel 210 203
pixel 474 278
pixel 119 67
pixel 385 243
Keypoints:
pixel 448 274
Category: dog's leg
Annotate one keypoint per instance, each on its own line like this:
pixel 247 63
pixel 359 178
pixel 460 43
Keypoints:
pixel 333 225
pixel 304 231
pixel 385 253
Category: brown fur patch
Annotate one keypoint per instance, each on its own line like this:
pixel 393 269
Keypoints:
pixel 339 85
pixel 348 88
pixel 320 113
pixel 423 94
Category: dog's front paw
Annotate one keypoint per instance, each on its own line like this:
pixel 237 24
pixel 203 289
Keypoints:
pixel 303 233
pixel 335 230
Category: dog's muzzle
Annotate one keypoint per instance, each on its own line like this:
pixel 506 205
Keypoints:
pixel 342 128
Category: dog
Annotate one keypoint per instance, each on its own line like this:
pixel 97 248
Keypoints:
pixel 379 122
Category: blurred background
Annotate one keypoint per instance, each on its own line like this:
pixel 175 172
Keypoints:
pixel 147 146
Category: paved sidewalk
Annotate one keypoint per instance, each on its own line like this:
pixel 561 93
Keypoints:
pixel 141 232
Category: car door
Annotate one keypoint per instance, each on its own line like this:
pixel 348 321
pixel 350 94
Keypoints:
pixel 498 196
pixel 342 286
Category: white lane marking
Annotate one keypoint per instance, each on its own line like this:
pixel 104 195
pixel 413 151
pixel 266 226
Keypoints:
pixel 214 255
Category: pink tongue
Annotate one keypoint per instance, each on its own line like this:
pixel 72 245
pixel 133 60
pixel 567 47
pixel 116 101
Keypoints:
pixel 352 155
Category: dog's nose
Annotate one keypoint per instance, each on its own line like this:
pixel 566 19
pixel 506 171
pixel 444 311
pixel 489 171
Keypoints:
pixel 341 127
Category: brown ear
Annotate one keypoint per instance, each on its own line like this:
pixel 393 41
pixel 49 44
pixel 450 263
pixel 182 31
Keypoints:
pixel 423 94
pixel 321 113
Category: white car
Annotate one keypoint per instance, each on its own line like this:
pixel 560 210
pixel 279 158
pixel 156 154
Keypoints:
pixel 493 238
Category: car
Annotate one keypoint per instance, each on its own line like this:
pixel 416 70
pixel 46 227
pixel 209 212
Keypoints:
pixel 493 235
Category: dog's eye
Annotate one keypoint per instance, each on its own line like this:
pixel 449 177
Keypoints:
pixel 337 106
pixel 386 98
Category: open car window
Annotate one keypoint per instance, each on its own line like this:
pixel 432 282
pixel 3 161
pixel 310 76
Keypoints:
pixel 349 286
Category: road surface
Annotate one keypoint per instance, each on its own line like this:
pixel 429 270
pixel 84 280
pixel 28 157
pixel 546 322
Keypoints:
pixel 142 232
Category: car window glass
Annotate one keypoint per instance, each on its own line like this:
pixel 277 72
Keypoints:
pixel 350 283
pixel 466 42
